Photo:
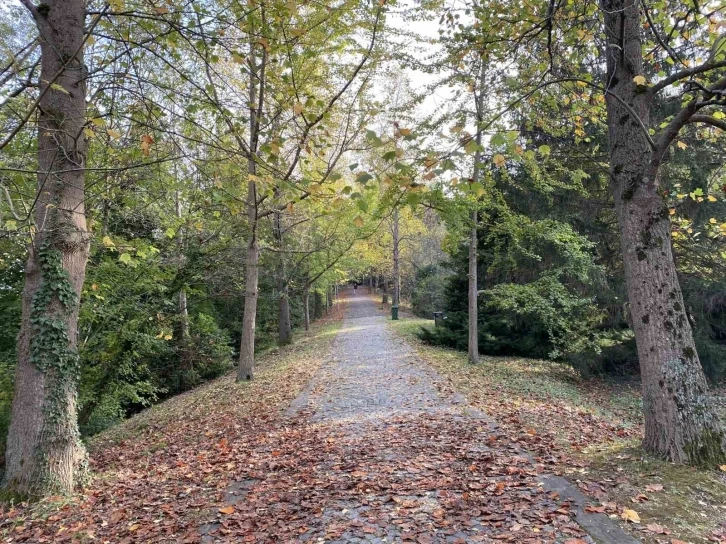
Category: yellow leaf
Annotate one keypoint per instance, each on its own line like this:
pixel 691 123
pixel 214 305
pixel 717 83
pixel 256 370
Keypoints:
pixel 291 7
pixel 454 182
pixel 115 134
pixel 297 32
pixel 239 59
pixel 167 337
pixel 722 468
pixel 162 10
pixel 94 287
pixel 290 207
pixel 712 221
pixel 227 509
pixel 712 198
pixel 60 88
pixel 682 145
pixel 672 211
pixel 630 515
pixel 405 131
pixel 89 132
pixel 358 221
pixel 98 122
pixel 297 108
pixel 107 242
pixel 499 160
pixel 146 142
pixel 639 80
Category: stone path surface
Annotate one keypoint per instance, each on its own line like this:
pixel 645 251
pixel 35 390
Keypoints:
pixel 379 449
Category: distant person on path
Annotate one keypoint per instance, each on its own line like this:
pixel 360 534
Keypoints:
pixel 355 287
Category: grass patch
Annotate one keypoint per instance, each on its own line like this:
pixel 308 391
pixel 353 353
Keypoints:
pixel 593 428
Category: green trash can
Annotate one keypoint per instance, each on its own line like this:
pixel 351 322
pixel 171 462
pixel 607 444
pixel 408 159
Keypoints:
pixel 394 313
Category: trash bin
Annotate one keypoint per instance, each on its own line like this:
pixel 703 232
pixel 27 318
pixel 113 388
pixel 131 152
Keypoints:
pixel 438 318
pixel 394 313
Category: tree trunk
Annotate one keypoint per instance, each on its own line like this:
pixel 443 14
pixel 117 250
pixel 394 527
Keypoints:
pixel 284 325
pixel 473 234
pixel 473 293
pixel 306 307
pixel 246 367
pixel 680 422
pixel 396 268
pixel 44 455
pixel 182 298
pixel 284 322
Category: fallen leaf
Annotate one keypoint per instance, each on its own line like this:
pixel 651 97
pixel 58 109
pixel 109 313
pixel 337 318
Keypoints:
pixel 630 515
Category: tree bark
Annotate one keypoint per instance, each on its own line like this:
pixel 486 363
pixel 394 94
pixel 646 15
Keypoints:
pixel 473 344
pixel 44 455
pixel 680 422
pixel 473 293
pixel 246 367
pixel 306 307
pixel 396 259
pixel 182 297
pixel 284 324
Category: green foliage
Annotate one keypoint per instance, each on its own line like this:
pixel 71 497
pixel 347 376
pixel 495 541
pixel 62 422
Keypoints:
pixel 428 294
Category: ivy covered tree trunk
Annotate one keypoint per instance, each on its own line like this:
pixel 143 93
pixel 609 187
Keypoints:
pixel 680 422
pixel 44 455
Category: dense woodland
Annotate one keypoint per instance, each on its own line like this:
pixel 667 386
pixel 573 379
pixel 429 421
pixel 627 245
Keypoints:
pixel 184 185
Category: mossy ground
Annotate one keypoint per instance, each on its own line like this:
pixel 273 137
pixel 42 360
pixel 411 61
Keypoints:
pixel 593 427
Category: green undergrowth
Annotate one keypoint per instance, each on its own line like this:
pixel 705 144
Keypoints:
pixel 223 393
pixel 553 399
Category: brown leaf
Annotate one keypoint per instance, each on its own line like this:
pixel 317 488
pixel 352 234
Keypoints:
pixel 227 509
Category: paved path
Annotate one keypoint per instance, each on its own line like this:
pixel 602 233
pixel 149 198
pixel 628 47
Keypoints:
pixel 373 374
pixel 378 449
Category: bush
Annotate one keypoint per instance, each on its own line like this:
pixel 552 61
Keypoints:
pixel 428 295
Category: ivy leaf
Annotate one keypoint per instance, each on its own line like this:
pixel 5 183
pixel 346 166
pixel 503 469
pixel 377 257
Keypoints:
pixel 544 150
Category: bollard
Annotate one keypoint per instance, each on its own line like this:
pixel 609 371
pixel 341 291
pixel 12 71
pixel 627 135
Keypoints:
pixel 438 318
pixel 394 313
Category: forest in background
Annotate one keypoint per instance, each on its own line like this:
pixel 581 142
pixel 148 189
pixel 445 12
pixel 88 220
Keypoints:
pixel 186 184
